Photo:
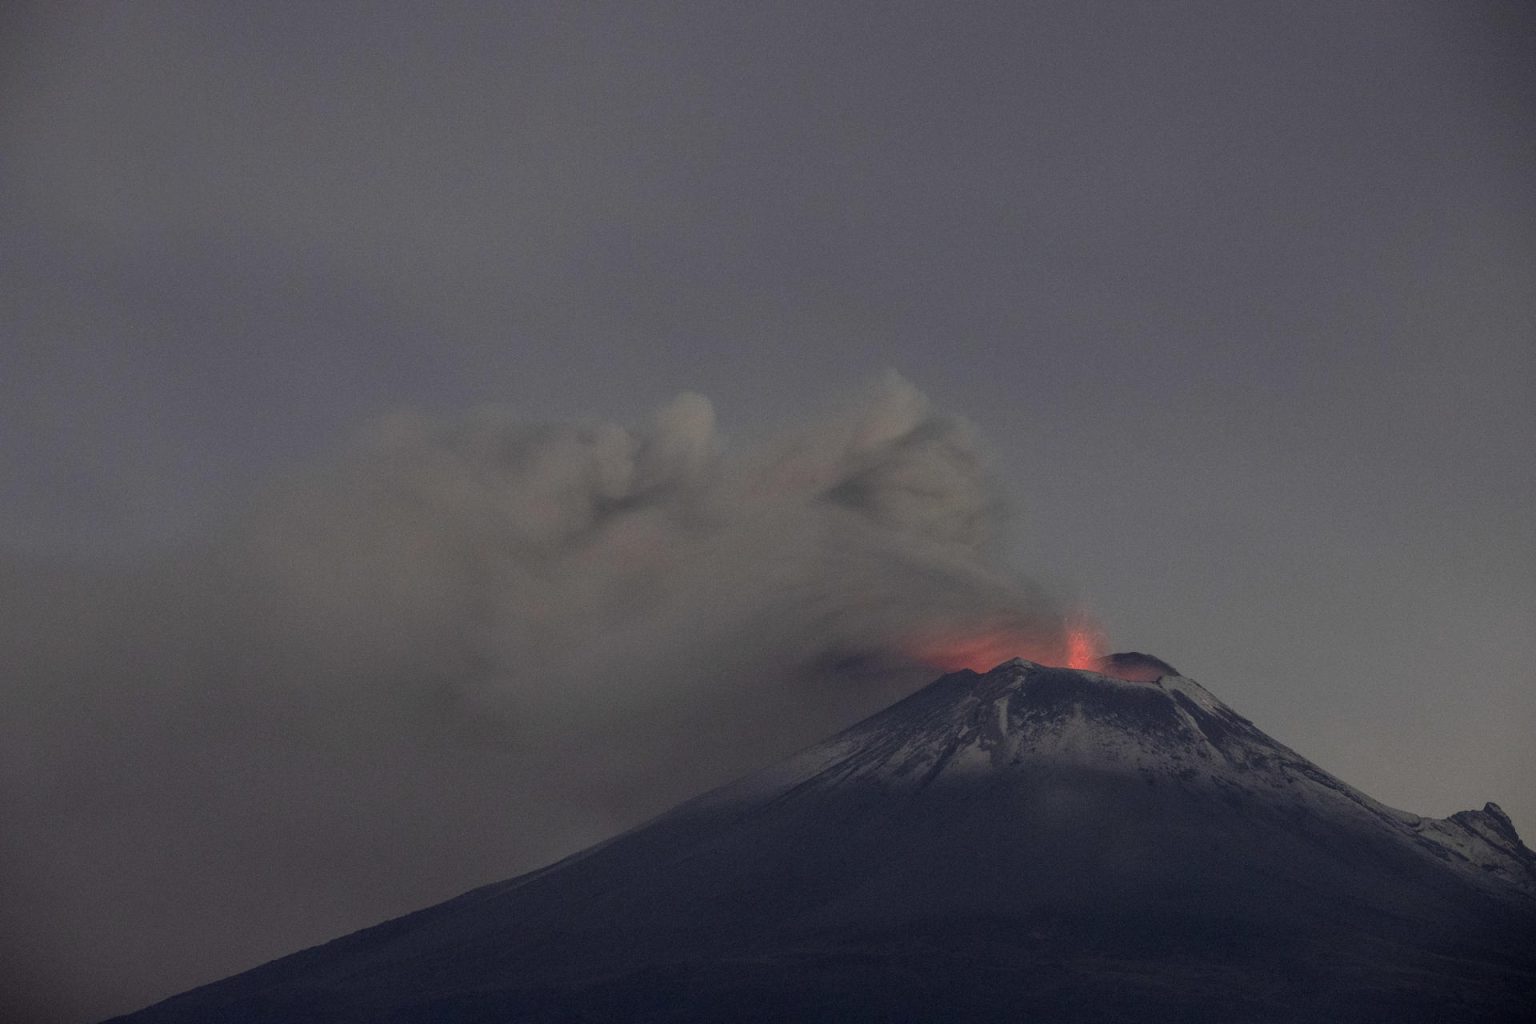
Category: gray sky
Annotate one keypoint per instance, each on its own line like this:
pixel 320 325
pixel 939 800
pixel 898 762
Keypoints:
pixel 1239 300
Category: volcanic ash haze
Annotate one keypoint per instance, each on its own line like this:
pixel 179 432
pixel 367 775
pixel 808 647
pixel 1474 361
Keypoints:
pixel 454 648
pixel 1029 844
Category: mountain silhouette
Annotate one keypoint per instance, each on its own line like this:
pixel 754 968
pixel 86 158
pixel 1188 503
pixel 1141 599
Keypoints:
pixel 1027 844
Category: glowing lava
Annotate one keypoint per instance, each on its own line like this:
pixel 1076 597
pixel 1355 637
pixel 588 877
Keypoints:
pixel 1085 644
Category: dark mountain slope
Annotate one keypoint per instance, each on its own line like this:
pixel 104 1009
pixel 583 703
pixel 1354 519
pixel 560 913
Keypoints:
pixel 1028 844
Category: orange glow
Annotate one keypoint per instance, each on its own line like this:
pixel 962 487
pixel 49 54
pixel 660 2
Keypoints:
pixel 984 648
pixel 1085 644
pixel 975 651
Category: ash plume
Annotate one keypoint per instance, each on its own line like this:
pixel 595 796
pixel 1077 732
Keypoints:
pixel 449 651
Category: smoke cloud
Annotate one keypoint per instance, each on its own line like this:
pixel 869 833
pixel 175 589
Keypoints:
pixel 450 651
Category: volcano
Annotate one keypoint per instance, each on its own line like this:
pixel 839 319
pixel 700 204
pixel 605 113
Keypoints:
pixel 1027 844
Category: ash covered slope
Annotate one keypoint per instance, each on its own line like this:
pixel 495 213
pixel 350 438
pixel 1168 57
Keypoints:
pixel 1031 842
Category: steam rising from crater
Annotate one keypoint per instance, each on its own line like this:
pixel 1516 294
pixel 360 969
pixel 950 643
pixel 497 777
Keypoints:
pixel 633 565
pixel 456 648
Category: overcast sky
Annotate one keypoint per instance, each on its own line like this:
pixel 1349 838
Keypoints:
pixel 1219 318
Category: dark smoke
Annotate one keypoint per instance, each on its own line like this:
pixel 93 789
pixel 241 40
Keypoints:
pixel 447 653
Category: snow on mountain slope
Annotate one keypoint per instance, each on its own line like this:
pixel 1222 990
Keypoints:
pixel 1023 717
pixel 1028 842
